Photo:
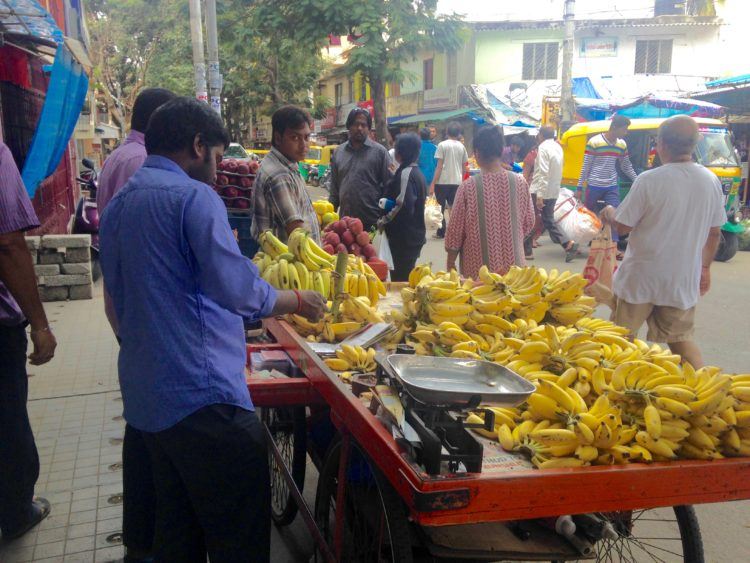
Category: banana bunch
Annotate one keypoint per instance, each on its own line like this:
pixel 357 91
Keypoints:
pixel 353 358
pixel 570 313
pixel 360 310
pixel 307 251
pixel 417 273
pixel 562 288
pixel 271 245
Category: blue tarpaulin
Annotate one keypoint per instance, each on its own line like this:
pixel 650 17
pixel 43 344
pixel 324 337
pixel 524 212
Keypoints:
pixel 27 17
pixel 584 88
pixel 62 105
pixel 732 81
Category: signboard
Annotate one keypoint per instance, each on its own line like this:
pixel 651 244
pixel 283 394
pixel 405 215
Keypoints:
pixel 369 105
pixel 403 106
pixel 330 120
pixel 593 47
pixel 440 99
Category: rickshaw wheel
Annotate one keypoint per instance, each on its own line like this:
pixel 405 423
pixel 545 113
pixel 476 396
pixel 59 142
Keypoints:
pixel 651 535
pixel 376 528
pixel 287 426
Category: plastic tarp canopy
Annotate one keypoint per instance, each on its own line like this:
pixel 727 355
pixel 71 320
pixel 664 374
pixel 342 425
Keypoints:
pixel 62 105
pixel 584 88
pixel 667 107
pixel 28 17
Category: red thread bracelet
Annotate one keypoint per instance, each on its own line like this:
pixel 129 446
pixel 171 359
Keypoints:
pixel 299 302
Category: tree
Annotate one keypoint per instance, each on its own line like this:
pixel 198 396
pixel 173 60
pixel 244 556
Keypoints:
pixel 386 33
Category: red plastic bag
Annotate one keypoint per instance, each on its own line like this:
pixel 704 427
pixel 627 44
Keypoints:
pixel 600 267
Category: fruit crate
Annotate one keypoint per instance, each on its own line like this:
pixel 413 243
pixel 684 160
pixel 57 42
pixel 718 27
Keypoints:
pixel 240 221
pixel 234 183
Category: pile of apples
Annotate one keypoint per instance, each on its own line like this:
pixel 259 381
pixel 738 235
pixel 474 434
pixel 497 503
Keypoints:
pixel 234 180
pixel 349 235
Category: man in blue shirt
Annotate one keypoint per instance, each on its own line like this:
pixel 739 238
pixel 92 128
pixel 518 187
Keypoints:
pixel 180 289
pixel 427 162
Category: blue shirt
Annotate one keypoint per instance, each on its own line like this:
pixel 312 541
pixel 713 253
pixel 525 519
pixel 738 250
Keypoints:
pixel 427 162
pixel 180 288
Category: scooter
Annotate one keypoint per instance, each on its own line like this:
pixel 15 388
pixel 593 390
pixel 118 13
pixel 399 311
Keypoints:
pixel 325 180
pixel 87 214
pixel 312 176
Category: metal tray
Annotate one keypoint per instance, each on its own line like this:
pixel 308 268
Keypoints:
pixel 458 382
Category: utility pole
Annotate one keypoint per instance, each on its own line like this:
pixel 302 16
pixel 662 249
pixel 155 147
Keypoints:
pixel 199 62
pixel 214 76
pixel 567 106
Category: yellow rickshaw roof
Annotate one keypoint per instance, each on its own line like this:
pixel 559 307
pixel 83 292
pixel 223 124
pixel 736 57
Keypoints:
pixel 635 124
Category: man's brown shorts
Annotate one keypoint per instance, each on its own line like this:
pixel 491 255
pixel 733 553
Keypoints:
pixel 665 324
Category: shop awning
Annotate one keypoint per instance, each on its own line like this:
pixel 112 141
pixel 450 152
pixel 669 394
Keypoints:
pixel 27 17
pixel 434 116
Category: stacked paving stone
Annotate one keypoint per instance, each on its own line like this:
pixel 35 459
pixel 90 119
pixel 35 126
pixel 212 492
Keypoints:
pixel 63 266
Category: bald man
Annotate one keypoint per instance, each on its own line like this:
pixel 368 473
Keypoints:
pixel 673 214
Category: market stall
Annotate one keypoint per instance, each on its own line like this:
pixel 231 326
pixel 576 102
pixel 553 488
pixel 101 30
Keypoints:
pixel 493 474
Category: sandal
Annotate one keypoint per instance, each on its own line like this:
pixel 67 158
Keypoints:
pixel 40 509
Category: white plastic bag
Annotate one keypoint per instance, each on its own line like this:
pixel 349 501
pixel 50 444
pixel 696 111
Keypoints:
pixel 383 248
pixel 575 220
pixel 433 217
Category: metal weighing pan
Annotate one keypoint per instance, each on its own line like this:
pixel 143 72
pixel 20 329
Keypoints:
pixel 458 382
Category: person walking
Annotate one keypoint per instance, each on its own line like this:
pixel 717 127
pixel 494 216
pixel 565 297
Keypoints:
pixel 281 202
pixel 404 223
pixel 451 159
pixel 20 306
pixel 532 240
pixel 674 215
pixel 605 153
pixel 180 289
pixel 138 494
pixel 427 162
pixel 546 186
pixel 359 171
pixel 492 212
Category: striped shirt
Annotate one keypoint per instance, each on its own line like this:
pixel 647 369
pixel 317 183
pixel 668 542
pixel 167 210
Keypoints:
pixel 600 162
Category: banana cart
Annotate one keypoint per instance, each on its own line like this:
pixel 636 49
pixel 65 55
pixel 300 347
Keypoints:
pixel 375 502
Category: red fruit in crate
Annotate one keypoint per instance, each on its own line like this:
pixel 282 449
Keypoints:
pixel 332 239
pixel 243 168
pixel 341 248
pixel 368 251
pixel 355 249
pixel 254 165
pixel 228 202
pixel 362 238
pixel 221 180
pixel 355 226
pixel 347 238
pixel 339 227
pixel 230 191
pixel 231 165
pixel 379 267
pixel 329 249
pixel 220 166
pixel 241 203
pixel 246 182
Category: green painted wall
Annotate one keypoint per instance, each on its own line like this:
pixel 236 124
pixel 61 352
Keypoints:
pixel 499 54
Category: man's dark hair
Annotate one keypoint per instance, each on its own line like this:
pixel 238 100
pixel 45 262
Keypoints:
pixel 517 140
pixel 174 126
pixel 425 134
pixel 356 112
pixel 407 147
pixel 489 142
pixel 547 132
pixel 146 104
pixel 619 121
pixel 288 117
pixel 454 129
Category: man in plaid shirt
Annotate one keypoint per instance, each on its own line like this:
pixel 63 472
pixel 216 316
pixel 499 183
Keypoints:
pixel 280 199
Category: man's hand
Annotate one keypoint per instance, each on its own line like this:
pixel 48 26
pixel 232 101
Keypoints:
pixel 607 214
pixel 579 194
pixel 44 346
pixel 539 202
pixel 313 305
pixel 432 189
pixel 705 280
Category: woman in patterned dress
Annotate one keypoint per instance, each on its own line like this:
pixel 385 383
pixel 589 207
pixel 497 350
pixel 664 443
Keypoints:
pixel 505 204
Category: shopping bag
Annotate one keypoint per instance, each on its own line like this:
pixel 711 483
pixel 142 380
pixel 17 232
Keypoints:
pixel 433 217
pixel 383 249
pixel 600 267
pixel 576 221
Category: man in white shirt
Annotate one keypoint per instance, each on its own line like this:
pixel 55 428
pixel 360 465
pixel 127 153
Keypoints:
pixel 451 157
pixel 674 215
pixel 546 185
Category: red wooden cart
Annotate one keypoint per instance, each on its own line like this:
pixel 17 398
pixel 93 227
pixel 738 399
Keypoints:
pixel 373 503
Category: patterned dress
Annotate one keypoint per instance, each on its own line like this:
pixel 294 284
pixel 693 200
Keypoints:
pixel 463 228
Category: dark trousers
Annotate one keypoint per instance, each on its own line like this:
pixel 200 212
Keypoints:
pixel 404 259
pixel 599 198
pixel 548 218
pixel 536 231
pixel 444 194
pixel 139 495
pixel 212 488
pixel 19 461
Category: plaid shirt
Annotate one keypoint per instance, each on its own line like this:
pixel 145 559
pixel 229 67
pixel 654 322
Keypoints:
pixel 280 197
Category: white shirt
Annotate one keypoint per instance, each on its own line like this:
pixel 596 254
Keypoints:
pixel 547 170
pixel 670 210
pixel 454 156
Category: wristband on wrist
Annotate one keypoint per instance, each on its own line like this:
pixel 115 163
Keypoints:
pixel 45 329
pixel 299 302
pixel 706 267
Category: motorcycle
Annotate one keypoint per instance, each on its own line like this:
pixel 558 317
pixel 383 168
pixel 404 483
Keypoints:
pixel 312 176
pixel 325 180
pixel 87 214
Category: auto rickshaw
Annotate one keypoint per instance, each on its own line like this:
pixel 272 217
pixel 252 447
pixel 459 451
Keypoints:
pixel 715 151
pixel 318 160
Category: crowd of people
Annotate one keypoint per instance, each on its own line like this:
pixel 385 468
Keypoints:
pixel 177 288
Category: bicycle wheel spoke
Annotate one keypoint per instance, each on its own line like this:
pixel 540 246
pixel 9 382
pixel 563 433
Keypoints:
pixel 660 548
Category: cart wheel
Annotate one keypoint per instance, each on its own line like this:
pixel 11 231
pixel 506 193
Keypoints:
pixel 653 535
pixel 375 525
pixel 287 426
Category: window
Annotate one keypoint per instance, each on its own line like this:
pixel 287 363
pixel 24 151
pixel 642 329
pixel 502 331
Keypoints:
pixel 395 89
pixel 363 90
pixel 427 74
pixel 540 61
pixel 653 56
pixel 452 69
pixel 338 94
pixel 351 90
